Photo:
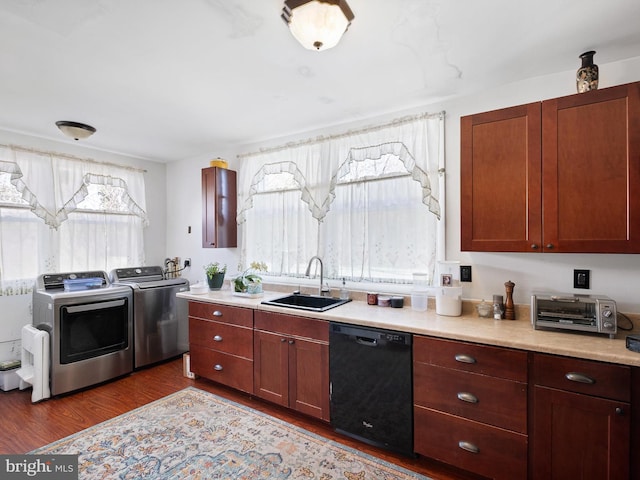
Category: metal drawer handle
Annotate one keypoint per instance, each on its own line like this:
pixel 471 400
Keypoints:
pixel 217 338
pixel 217 367
pixel 580 378
pixel 469 447
pixel 462 358
pixel 217 313
pixel 467 397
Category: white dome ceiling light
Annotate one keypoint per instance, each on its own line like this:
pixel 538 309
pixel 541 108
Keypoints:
pixel 317 24
pixel 75 130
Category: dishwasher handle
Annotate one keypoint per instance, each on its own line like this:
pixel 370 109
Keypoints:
pixel 367 342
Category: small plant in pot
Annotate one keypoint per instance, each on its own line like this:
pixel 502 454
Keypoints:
pixel 215 275
pixel 250 283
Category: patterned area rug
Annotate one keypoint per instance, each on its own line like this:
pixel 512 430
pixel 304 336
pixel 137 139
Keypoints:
pixel 193 434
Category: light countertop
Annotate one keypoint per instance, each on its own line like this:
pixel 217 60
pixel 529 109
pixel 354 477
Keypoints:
pixel 517 333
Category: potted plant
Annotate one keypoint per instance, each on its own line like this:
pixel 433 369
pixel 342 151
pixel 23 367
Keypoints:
pixel 250 283
pixel 215 275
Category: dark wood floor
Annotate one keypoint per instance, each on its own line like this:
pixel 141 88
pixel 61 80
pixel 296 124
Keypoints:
pixel 26 426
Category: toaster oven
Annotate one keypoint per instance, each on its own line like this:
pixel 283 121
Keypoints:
pixel 585 313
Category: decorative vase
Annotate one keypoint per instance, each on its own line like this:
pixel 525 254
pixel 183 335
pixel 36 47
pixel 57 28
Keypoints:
pixel 587 75
pixel 215 282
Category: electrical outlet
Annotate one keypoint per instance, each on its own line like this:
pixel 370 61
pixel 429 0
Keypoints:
pixel 581 279
pixel 465 273
pixel 187 262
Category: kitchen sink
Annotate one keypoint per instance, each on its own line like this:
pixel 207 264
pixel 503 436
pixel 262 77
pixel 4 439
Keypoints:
pixel 314 303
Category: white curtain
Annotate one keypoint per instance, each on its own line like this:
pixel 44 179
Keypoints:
pixel 45 230
pixel 349 226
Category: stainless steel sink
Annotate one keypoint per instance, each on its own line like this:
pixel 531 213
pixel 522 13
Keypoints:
pixel 314 303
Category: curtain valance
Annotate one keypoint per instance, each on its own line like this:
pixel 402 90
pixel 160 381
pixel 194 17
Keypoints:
pixel 317 165
pixel 54 184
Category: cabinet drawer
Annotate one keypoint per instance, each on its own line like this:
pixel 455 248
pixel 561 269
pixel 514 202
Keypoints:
pixel 292 325
pixel 469 357
pixel 235 372
pixel 491 400
pixel 221 336
pixel 222 313
pixel 583 376
pixel 482 449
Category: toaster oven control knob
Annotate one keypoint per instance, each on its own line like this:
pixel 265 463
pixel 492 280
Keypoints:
pixel 606 313
pixel 608 325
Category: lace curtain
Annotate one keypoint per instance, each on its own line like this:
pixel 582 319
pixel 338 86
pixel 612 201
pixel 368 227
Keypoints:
pixel 367 202
pixel 46 227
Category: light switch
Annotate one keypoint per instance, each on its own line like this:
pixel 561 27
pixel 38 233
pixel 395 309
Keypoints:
pixel 581 279
pixel 465 273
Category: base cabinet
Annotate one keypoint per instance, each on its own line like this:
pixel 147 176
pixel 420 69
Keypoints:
pixel 291 365
pixel 221 344
pixel 581 419
pixel 470 406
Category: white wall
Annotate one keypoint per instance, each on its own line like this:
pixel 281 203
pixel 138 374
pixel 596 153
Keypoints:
pixel 16 310
pixel 184 210
pixel 613 275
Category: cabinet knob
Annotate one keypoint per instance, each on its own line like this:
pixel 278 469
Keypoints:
pixel 534 246
pixel 468 446
pixel 619 411
pixel 283 340
pixel 217 313
pixel 218 367
pixel 549 246
pixel 579 377
pixel 467 397
pixel 462 358
pixel 217 338
pixel 291 342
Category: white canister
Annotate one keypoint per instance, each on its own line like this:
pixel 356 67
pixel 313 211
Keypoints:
pixel 449 301
pixel 419 301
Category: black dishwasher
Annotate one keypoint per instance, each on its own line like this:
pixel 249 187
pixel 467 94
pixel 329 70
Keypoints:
pixel 371 385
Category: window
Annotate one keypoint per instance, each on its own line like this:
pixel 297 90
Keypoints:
pixel 367 203
pixel 60 214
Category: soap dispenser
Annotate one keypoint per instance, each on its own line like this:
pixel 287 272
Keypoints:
pixel 344 293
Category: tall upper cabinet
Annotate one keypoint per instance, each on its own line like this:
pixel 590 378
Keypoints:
pixel 219 208
pixel 560 175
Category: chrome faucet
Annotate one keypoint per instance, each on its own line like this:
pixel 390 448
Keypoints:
pixel 322 290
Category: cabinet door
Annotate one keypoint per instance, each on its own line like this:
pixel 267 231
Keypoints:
pixel 219 208
pixel 309 377
pixel 578 436
pixel 271 367
pixel 500 177
pixel 591 171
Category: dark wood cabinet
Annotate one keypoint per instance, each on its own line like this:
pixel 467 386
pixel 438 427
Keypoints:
pixel 470 406
pixel 219 208
pixel 591 170
pixel 291 366
pixel 581 419
pixel 221 344
pixel 555 176
pixel 500 180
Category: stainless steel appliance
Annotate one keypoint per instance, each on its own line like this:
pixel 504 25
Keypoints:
pixel 90 328
pixel 585 313
pixel 160 319
pixel 371 387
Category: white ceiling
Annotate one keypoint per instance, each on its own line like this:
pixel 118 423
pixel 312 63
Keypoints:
pixel 173 79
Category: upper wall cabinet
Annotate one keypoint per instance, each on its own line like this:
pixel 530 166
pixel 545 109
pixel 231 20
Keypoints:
pixel 557 176
pixel 219 208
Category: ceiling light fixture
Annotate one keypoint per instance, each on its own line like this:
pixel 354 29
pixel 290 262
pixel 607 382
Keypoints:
pixel 317 24
pixel 75 130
